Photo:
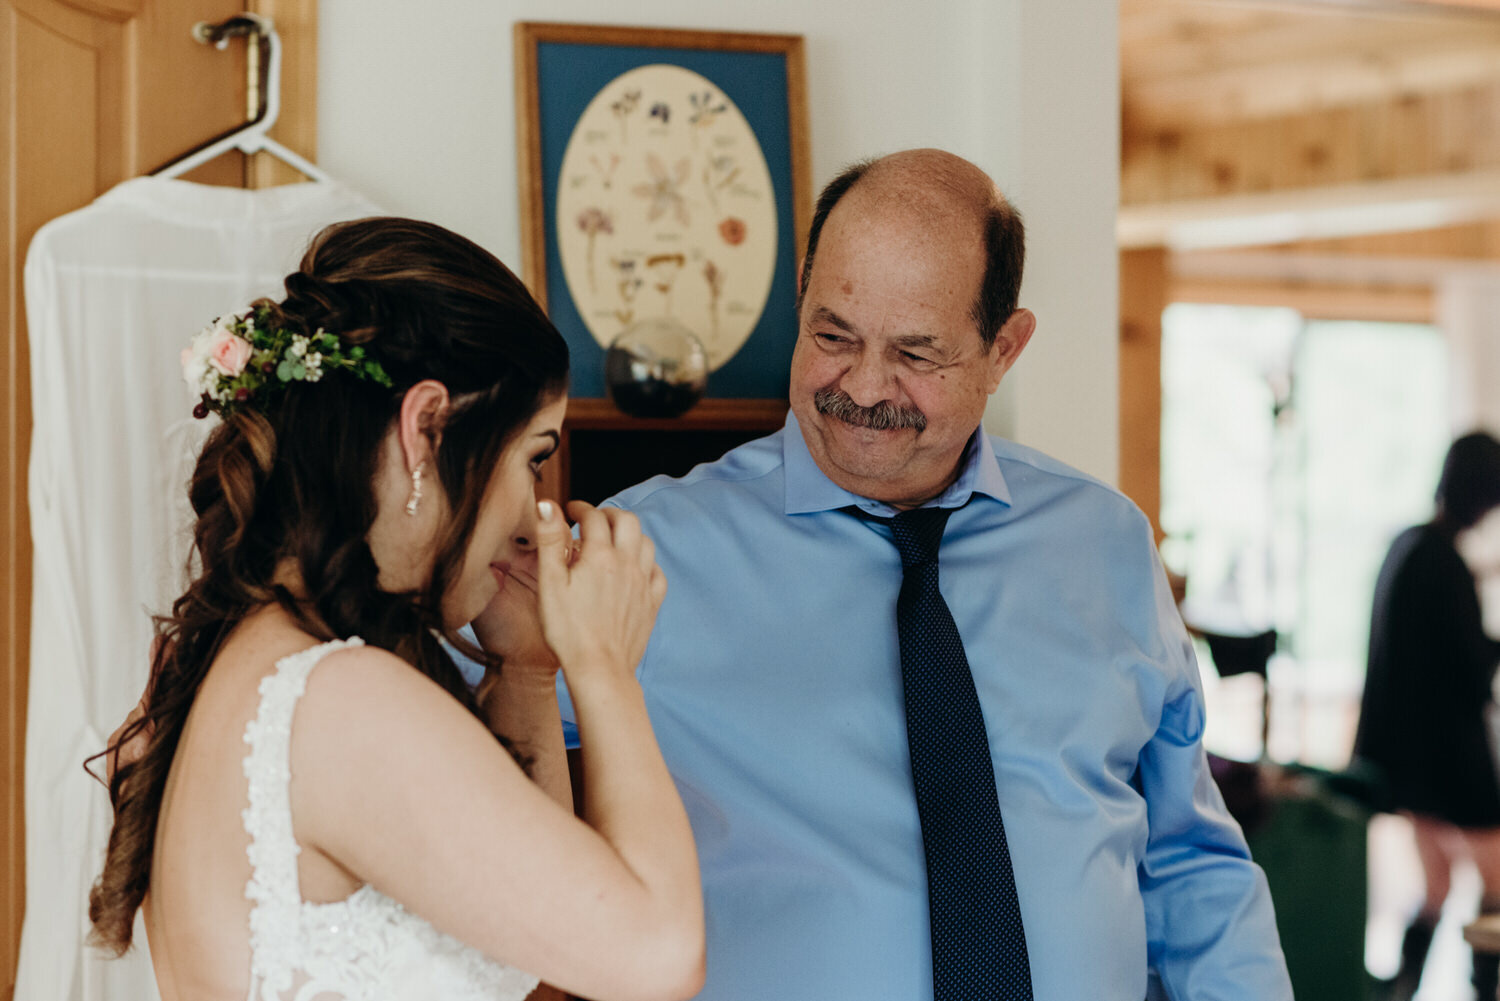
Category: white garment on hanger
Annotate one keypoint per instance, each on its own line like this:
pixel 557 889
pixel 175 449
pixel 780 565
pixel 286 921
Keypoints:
pixel 114 292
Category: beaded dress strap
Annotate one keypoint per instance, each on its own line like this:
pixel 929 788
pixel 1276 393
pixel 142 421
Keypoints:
pixel 273 889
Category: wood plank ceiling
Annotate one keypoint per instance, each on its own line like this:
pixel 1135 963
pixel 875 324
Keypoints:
pixel 1389 112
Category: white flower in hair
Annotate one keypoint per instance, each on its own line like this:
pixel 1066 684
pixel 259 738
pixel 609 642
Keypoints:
pixel 232 363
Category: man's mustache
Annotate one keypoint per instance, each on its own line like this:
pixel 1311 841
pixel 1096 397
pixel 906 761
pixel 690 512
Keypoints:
pixel 883 416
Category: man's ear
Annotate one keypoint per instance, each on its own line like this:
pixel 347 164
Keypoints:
pixel 1012 339
pixel 420 422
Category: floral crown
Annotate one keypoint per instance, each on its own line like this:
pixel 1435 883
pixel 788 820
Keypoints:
pixel 241 360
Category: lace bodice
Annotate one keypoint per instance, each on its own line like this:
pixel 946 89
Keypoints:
pixel 366 947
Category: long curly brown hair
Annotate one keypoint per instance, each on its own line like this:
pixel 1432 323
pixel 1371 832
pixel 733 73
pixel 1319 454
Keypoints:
pixel 291 483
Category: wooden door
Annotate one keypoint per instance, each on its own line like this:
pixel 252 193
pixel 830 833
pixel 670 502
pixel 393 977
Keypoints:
pixel 93 92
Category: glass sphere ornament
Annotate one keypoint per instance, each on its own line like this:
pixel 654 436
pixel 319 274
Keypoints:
pixel 656 368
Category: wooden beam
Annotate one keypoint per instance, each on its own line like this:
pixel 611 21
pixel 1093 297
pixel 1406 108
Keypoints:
pixel 1411 203
pixel 1299 267
pixel 1377 304
pixel 1321 286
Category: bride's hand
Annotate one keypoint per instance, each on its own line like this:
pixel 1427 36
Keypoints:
pixel 511 623
pixel 597 613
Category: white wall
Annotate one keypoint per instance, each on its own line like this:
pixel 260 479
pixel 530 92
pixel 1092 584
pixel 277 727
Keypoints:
pixel 415 108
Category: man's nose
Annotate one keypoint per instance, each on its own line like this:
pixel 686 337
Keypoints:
pixel 868 380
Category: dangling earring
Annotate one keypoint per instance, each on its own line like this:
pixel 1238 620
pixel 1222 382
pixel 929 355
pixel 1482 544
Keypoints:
pixel 416 490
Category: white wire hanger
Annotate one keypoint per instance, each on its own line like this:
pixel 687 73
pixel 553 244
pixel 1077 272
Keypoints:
pixel 252 137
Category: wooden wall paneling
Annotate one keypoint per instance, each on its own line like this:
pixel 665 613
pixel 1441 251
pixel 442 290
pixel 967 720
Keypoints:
pixel 1219 166
pixel 1339 140
pixel 1377 138
pixel 1415 152
pixel 297 128
pixel 1485 112
pixel 1143 297
pixel 1285 136
pixel 1193 63
pixel 185 92
pixel 57 63
pixel 1414 136
pixel 1257 171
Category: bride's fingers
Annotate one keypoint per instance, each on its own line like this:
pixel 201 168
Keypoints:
pixel 647 554
pixel 593 527
pixel 579 510
pixel 552 544
pixel 626 529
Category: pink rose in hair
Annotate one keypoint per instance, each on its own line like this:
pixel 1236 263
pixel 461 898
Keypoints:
pixel 228 352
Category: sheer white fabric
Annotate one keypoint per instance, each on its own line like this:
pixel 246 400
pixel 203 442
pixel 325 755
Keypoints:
pixel 366 947
pixel 113 293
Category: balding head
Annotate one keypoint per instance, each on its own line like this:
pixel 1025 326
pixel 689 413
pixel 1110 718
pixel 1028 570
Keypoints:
pixel 931 188
pixel 907 322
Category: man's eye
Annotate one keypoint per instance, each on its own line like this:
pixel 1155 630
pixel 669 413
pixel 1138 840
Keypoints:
pixel 831 340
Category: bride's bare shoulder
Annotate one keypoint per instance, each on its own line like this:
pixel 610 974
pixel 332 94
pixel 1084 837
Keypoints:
pixel 367 695
pixel 267 637
pixel 347 677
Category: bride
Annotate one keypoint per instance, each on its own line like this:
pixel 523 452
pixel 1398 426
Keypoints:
pixel 312 804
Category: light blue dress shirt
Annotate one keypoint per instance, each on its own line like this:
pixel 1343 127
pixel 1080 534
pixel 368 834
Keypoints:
pixel 774 684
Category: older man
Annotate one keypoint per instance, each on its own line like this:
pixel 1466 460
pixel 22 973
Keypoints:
pixel 972 771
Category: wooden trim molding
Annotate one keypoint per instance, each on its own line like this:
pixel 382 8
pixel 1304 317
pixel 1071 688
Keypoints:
pixel 15 531
pixel 1143 297
pixel 529 162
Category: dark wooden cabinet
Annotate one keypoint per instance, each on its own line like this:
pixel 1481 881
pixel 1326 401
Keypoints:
pixel 605 450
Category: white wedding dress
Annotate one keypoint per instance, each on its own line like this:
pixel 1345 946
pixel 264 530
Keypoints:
pixel 366 947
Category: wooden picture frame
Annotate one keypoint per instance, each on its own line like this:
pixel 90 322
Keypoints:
pixel 562 72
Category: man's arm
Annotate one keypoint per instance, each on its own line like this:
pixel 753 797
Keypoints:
pixel 1211 931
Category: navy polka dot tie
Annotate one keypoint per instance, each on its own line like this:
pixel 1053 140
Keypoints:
pixel 978 944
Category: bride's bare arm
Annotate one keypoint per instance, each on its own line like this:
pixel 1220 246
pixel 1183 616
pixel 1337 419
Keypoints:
pixel 397 783
pixel 522 708
pixel 520 700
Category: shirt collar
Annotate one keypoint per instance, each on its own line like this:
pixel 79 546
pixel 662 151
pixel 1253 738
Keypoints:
pixel 808 490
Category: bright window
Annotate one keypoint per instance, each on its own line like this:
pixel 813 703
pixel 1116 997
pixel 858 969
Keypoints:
pixel 1293 451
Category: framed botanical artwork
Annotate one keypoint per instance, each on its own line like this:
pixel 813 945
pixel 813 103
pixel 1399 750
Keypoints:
pixel 664 174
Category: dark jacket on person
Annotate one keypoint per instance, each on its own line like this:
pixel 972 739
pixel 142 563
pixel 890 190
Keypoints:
pixel 1427 684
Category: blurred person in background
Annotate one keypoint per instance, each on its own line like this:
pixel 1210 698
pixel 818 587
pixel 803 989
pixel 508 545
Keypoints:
pixel 1424 715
